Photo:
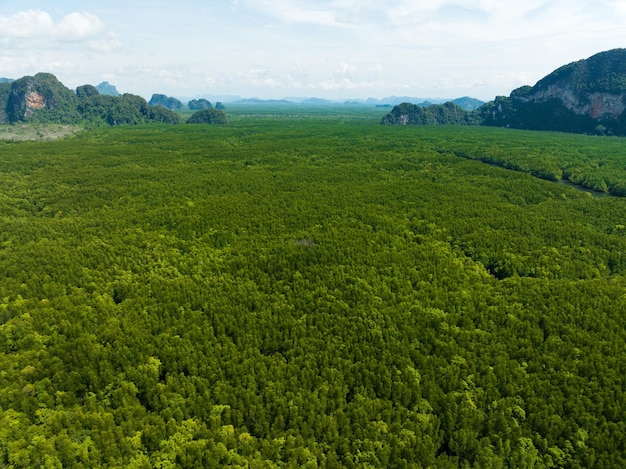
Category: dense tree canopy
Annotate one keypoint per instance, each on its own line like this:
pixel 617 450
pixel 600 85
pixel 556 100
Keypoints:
pixel 307 292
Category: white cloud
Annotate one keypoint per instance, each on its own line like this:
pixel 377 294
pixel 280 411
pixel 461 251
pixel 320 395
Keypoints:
pixel 26 24
pixel 272 48
pixel 346 68
pixel 39 25
pixel 107 43
pixel 78 26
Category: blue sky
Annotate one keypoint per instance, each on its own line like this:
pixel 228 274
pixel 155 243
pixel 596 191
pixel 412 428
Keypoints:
pixel 339 49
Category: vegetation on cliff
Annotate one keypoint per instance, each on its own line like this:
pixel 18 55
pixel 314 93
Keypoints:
pixel 587 96
pixel 5 93
pixel 434 114
pixel 127 109
pixel 41 98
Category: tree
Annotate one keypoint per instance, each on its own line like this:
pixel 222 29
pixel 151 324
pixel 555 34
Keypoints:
pixel 161 114
pixel 86 91
pixel 208 116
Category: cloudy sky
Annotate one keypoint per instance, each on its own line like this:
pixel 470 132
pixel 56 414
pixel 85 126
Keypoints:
pixel 323 48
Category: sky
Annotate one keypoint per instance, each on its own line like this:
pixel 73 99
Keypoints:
pixel 333 49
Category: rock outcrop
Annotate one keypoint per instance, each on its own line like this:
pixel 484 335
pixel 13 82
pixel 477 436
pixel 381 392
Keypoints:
pixel 199 104
pixel 165 101
pixel 107 89
pixel 34 96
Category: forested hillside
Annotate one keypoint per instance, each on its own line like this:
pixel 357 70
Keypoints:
pixel 587 96
pixel 319 292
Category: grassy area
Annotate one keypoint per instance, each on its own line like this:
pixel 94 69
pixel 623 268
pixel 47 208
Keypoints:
pixel 45 132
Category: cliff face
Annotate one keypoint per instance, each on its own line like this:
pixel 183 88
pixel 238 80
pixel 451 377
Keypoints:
pixel 579 97
pixel 594 105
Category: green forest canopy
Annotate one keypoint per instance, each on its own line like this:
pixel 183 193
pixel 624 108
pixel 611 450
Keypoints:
pixel 308 292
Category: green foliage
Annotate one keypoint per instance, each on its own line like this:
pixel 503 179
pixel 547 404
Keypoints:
pixel 5 92
pixel 208 116
pixel 127 109
pixel 307 292
pixel 163 115
pixel 86 91
pixel 586 162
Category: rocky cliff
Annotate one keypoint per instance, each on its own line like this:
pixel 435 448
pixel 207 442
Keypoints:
pixel 587 96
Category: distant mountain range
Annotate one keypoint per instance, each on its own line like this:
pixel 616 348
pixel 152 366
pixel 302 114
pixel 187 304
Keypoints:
pixel 466 103
pixel 587 96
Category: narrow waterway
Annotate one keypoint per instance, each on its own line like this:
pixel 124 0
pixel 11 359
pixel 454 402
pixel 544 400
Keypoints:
pixel 565 182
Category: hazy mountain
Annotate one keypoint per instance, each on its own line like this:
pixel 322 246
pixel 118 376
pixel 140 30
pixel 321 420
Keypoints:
pixel 467 103
pixel 316 101
pixel 107 89
pixel 199 104
pixel 165 101
pixel 263 101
